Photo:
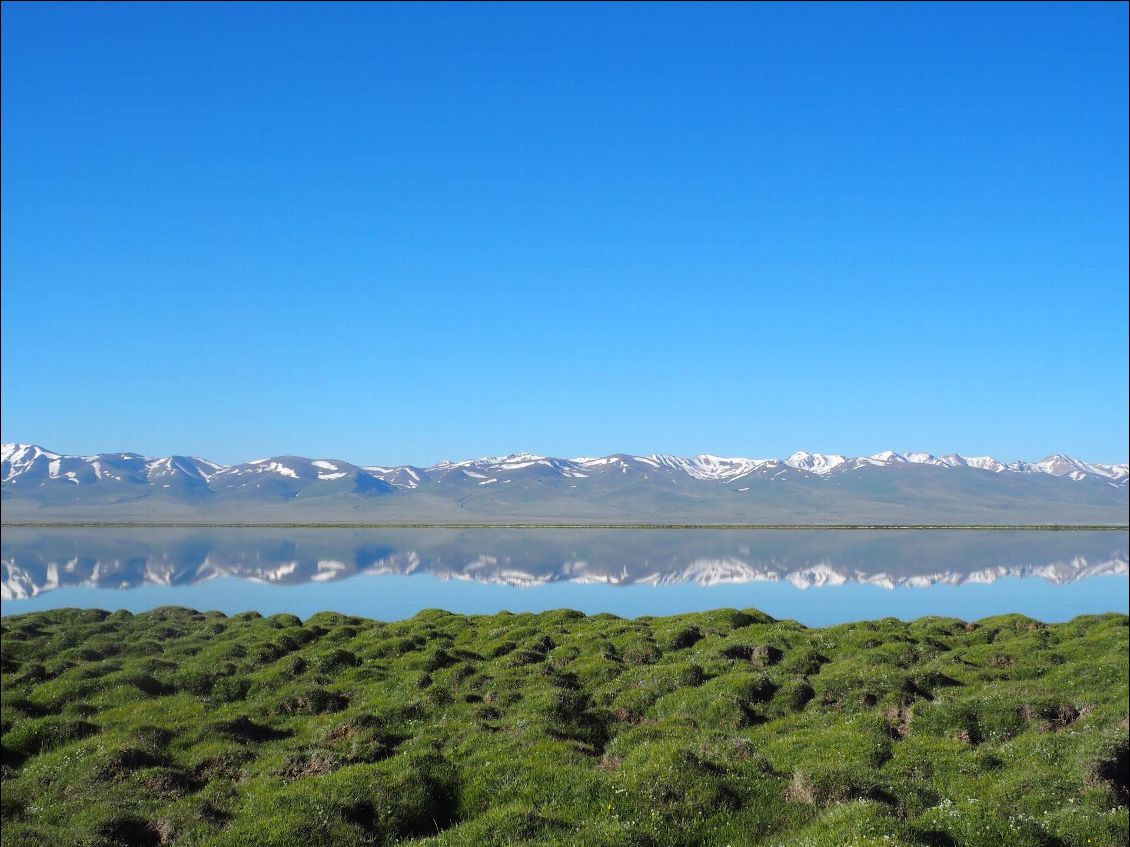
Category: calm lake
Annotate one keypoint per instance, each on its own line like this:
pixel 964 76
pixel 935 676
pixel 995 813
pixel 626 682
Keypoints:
pixel 818 577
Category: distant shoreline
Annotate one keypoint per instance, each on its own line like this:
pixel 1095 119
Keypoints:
pixel 545 525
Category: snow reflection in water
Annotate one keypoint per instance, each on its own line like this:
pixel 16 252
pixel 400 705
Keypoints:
pixel 585 569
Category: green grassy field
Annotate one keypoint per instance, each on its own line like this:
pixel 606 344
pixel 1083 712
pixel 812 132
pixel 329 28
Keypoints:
pixel 720 728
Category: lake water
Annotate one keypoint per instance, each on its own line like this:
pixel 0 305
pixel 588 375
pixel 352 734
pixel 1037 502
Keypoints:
pixel 818 577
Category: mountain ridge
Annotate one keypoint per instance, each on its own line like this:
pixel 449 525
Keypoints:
pixel 701 466
pixel 806 487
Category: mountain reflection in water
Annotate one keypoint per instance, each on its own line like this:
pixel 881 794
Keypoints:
pixel 40 560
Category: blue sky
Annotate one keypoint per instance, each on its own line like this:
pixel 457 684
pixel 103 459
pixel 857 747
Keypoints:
pixel 401 234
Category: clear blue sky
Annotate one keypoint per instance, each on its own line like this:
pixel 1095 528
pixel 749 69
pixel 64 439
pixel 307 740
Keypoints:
pixel 393 234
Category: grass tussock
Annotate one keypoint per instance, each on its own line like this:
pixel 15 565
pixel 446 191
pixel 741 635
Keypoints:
pixel 176 727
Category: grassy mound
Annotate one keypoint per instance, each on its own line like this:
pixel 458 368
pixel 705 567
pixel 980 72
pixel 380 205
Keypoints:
pixel 721 728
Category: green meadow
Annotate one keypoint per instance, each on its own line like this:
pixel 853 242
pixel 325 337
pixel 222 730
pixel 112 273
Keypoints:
pixel 719 728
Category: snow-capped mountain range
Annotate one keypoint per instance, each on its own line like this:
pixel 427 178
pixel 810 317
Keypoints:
pixel 887 485
pixel 27 462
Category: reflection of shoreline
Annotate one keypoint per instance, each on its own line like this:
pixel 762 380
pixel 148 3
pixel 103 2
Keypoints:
pixel 649 527
pixel 38 561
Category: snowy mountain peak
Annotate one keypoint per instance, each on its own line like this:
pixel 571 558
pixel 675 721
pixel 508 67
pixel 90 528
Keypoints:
pixel 889 457
pixel 922 458
pixel 985 463
pixel 709 467
pixel 514 461
pixel 180 467
pixel 19 458
pixel 817 463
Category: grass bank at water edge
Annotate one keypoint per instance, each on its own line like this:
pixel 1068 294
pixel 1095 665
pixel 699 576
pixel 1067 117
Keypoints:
pixel 720 728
